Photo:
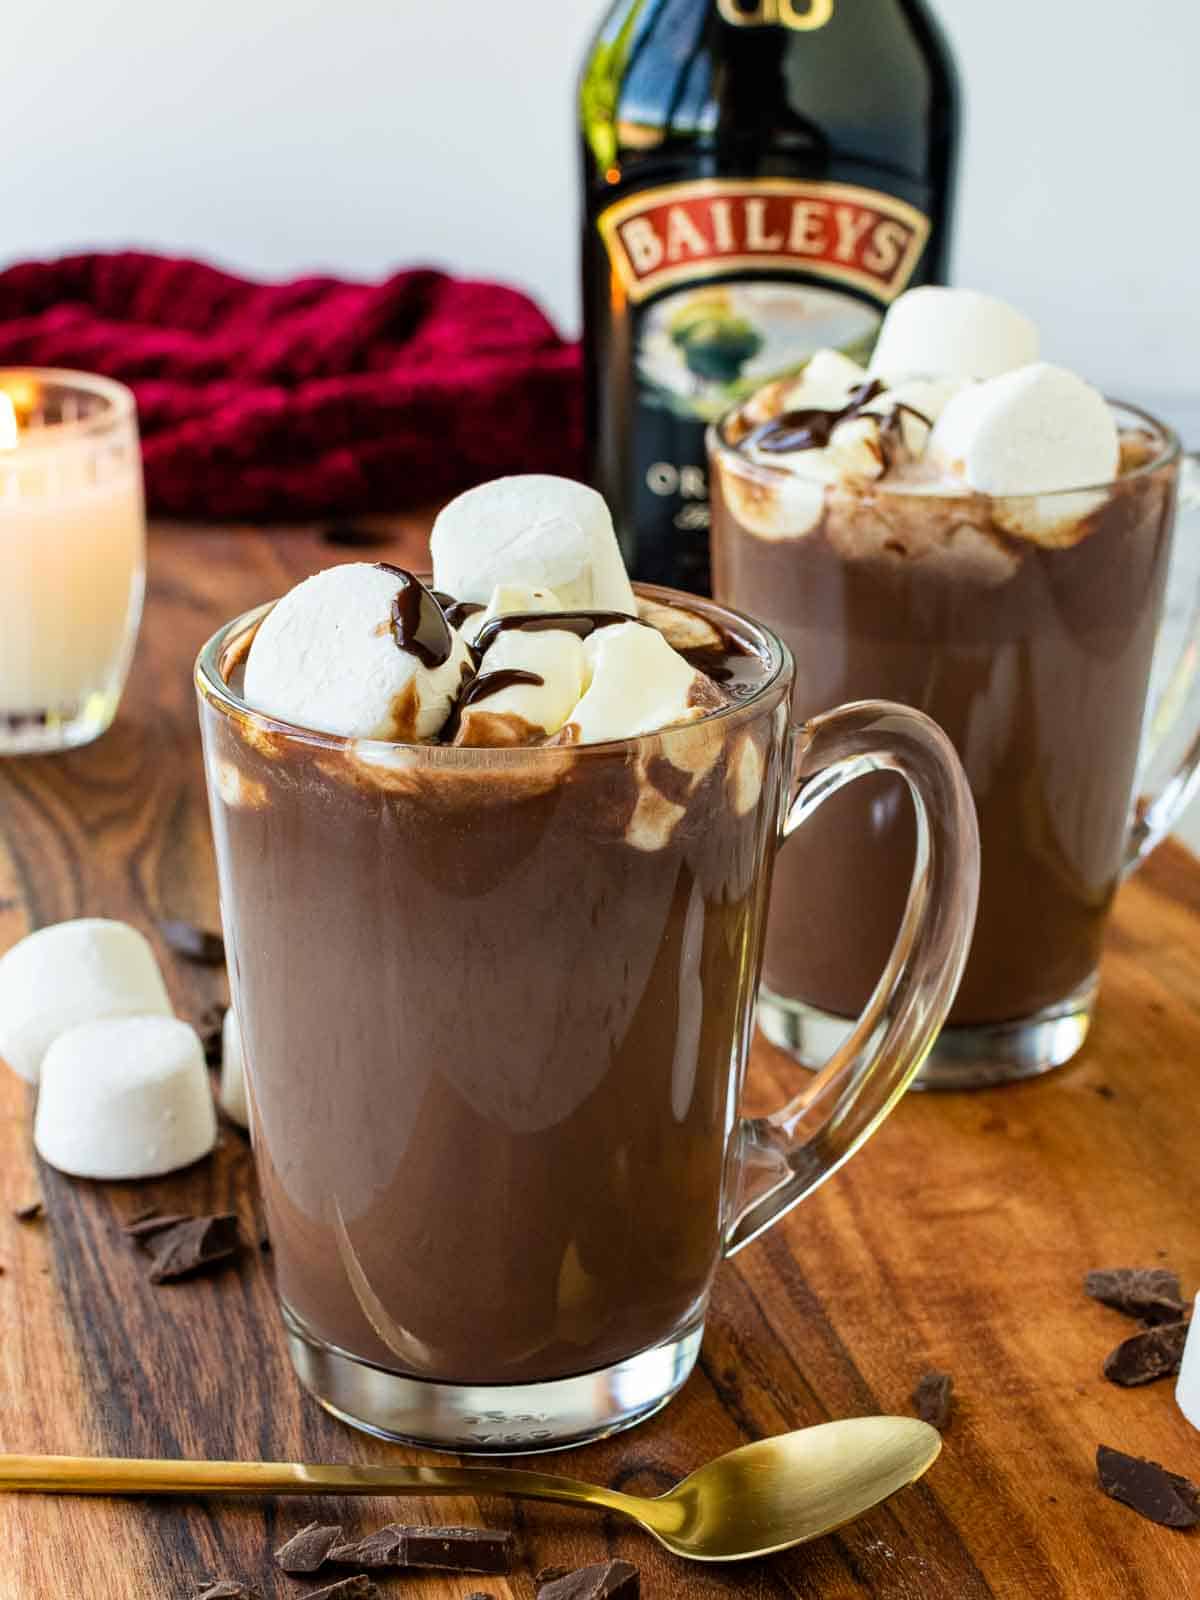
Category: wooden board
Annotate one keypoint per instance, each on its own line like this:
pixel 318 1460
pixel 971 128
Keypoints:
pixel 958 1241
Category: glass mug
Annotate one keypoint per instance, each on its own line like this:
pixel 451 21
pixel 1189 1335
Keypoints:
pixel 1036 661
pixel 496 1007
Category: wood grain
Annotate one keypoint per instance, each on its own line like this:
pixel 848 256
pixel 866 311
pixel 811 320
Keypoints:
pixel 958 1241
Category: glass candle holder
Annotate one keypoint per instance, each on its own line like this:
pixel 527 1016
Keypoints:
pixel 72 555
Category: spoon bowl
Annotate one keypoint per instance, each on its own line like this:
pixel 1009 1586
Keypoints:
pixel 763 1497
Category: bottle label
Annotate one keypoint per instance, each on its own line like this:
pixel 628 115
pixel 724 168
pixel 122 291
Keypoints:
pixel 727 284
pixel 832 231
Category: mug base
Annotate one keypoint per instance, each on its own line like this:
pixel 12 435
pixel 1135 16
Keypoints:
pixel 976 1056
pixel 490 1419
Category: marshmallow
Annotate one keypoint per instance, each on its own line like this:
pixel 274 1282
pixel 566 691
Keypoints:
pixel 507 598
pixel 1030 433
pixel 125 1098
pixel 232 1093
pixel 951 333
pixel 538 530
pixel 636 683
pixel 855 449
pixel 927 396
pixel 70 973
pixel 825 384
pixel 778 501
pixel 524 713
pixel 325 658
pixel 1187 1388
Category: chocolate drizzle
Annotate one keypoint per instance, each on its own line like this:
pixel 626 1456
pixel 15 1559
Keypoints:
pixel 811 427
pixel 482 688
pixel 581 623
pixel 419 625
pixel 455 611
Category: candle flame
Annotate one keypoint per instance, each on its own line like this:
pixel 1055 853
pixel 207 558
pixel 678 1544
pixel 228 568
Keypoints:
pixel 8 422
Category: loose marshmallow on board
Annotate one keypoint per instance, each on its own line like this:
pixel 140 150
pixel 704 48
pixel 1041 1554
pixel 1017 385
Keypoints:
pixel 232 1094
pixel 326 657
pixel 1187 1389
pixel 524 713
pixel 125 1098
pixel 534 529
pixel 934 332
pixel 1028 435
pixel 70 973
pixel 637 684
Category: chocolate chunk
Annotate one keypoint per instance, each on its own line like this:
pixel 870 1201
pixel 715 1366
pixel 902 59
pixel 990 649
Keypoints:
pixel 193 943
pixel 145 1227
pixel 450 1549
pixel 933 1399
pixel 607 1580
pixel 31 1211
pixel 548 1574
pixel 356 1588
pixel 307 1550
pixel 228 1589
pixel 1148 1488
pixel 480 1594
pixel 1153 1353
pixel 210 1029
pixel 352 535
pixel 193 1246
pixel 1151 1293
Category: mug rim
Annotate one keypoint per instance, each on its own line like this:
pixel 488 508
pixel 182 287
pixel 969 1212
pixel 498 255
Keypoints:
pixel 1168 455
pixel 227 647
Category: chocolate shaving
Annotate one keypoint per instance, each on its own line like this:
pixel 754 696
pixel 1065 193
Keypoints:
pixel 194 943
pixel 450 1549
pixel 933 1399
pixel 1148 1488
pixel 146 1227
pixel 211 1031
pixel 31 1211
pixel 1151 1293
pixel 308 1550
pixel 229 1589
pixel 191 1246
pixel 607 1580
pixel 356 1588
pixel 1144 1357
pixel 352 535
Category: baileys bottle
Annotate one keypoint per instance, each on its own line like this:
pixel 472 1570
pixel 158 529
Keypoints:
pixel 761 178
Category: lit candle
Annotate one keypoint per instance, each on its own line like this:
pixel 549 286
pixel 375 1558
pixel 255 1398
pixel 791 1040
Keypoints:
pixel 72 555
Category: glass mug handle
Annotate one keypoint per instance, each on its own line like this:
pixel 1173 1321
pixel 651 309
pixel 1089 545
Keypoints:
pixel 781 1158
pixel 1177 708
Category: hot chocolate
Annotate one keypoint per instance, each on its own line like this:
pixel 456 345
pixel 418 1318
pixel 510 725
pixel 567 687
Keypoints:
pixel 847 514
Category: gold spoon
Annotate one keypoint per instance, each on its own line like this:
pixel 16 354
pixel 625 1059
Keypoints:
pixel 764 1497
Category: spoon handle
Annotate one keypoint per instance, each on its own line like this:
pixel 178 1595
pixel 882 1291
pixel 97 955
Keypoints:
pixel 114 1476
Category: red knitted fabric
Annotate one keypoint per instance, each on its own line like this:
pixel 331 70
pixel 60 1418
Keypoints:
pixel 311 398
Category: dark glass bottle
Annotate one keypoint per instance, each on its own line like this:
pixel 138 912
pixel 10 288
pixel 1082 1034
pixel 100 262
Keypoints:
pixel 760 178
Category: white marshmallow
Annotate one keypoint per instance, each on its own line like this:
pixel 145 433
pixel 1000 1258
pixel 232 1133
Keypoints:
pixel 825 384
pixel 70 973
pixel 1187 1387
pixel 558 659
pixel 951 333
pixel 535 529
pixel 926 396
pixel 125 1098
pixel 324 657
pixel 507 598
pixel 1030 433
pixel 637 684
pixel 232 1093
pixel 855 450
pixel 778 501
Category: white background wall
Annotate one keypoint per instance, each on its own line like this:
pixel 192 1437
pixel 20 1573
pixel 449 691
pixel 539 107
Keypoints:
pixel 278 135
